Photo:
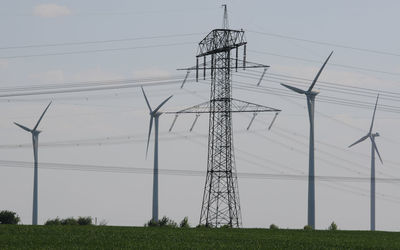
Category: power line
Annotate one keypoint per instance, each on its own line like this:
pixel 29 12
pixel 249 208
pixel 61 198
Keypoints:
pixel 96 42
pixel 326 43
pixel 96 50
pixel 333 64
pixel 119 169
pixel 86 89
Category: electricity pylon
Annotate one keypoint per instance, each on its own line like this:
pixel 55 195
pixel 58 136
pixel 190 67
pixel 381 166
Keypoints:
pixel 221 204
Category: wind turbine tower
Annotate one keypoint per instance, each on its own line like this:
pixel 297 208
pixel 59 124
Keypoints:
pixel 310 94
pixel 374 148
pixel 154 115
pixel 35 141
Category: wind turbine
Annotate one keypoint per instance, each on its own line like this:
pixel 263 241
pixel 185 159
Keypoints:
pixel 310 94
pixel 154 115
pixel 374 148
pixel 35 141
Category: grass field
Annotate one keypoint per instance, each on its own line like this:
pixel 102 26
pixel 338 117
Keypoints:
pixel 109 237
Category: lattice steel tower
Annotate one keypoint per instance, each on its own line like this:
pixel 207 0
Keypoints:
pixel 221 204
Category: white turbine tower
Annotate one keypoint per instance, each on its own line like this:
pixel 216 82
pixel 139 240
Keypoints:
pixel 154 115
pixel 374 148
pixel 310 94
pixel 35 141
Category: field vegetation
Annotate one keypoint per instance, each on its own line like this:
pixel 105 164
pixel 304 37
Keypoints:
pixel 110 237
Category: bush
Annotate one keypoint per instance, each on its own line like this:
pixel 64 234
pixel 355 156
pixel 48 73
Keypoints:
pixel 9 217
pixel 184 223
pixel 203 226
pixel 273 227
pixel 69 222
pixel 226 226
pixel 164 222
pixel 84 221
pixel 308 228
pixel 333 226
pixel 167 222
pixel 53 222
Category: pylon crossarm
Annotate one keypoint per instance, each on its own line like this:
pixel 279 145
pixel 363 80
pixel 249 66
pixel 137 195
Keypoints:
pixel 219 40
pixel 241 65
pixel 237 106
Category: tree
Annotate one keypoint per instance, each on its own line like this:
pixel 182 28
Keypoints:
pixel 9 217
pixel 53 222
pixel 308 228
pixel 85 221
pixel 164 222
pixel 184 223
pixel 273 227
pixel 333 226
pixel 69 222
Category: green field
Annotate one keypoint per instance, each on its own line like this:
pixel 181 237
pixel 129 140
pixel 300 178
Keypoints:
pixel 108 237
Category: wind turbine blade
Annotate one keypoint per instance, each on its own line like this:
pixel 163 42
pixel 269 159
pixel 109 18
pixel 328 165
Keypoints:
pixel 37 124
pixel 23 127
pixel 373 116
pixel 362 139
pixel 147 101
pixel 319 73
pixel 148 137
pixel 159 106
pixel 376 149
pixel 300 91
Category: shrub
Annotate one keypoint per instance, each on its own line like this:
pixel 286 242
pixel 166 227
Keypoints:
pixel 167 222
pixel 9 217
pixel 273 227
pixel 184 223
pixel 226 226
pixel 69 222
pixel 164 222
pixel 203 226
pixel 53 222
pixel 333 226
pixel 84 221
pixel 308 228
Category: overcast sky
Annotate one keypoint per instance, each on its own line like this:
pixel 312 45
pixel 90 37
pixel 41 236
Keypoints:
pixel 59 42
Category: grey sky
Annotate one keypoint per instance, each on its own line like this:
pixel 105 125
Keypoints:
pixel 125 198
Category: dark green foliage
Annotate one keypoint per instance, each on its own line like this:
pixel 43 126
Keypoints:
pixel 109 237
pixel 82 221
pixel 333 226
pixel 85 221
pixel 69 222
pixel 273 227
pixel 308 228
pixel 226 226
pixel 203 226
pixel 53 222
pixel 184 223
pixel 164 222
pixel 151 223
pixel 9 217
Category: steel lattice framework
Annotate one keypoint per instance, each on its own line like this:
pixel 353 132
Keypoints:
pixel 221 205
